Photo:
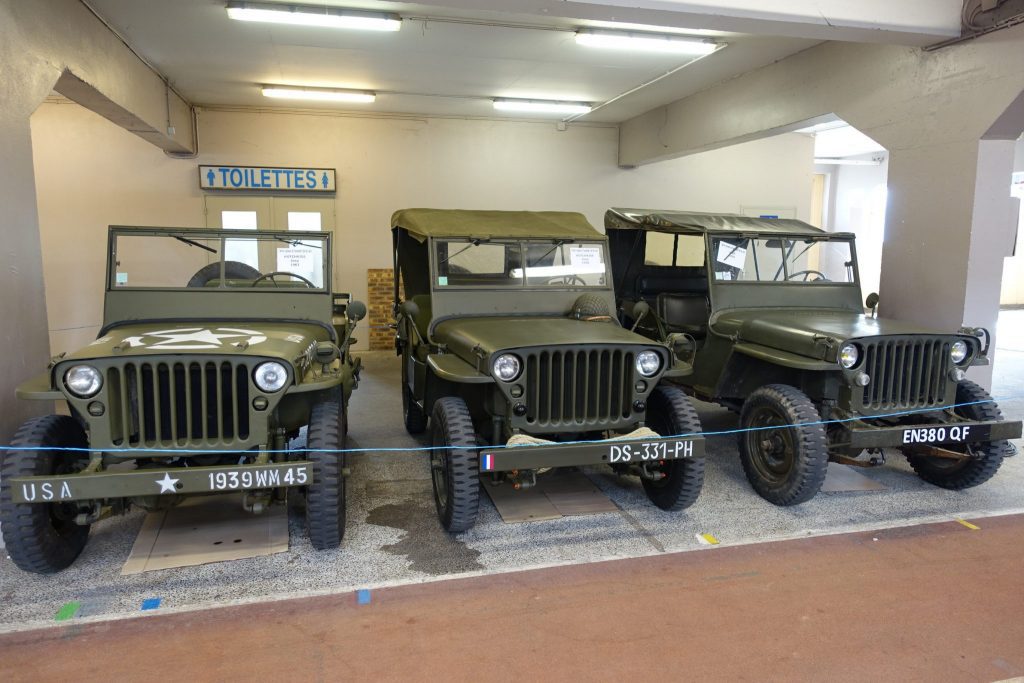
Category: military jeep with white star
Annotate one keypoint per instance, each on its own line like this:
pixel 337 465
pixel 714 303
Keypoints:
pixel 217 348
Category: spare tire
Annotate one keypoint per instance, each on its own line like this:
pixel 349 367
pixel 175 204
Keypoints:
pixel 233 270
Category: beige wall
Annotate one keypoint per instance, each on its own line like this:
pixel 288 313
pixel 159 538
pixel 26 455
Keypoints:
pixel 91 174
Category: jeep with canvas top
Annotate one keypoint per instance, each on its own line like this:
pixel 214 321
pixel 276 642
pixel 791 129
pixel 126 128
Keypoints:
pixel 769 313
pixel 217 347
pixel 509 346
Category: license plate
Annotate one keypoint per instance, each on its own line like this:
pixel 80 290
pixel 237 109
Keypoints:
pixel 646 451
pixel 231 480
pixel 935 434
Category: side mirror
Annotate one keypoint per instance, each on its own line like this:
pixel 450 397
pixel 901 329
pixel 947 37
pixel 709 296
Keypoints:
pixel 640 310
pixel 356 311
pixel 409 309
pixel 872 302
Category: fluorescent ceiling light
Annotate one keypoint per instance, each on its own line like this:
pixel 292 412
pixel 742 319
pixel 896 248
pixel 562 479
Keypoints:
pixel 645 42
pixel 320 94
pixel 311 15
pixel 542 106
pixel 832 161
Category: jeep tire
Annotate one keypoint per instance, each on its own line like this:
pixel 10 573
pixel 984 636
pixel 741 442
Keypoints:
pixel 233 270
pixel 987 455
pixel 784 453
pixel 454 467
pixel 325 495
pixel 670 413
pixel 42 537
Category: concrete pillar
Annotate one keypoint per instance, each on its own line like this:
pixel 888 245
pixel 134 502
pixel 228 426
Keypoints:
pixel 47 45
pixel 25 349
pixel 948 228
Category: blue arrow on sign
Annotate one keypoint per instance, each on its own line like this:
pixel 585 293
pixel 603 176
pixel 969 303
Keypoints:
pixel 210 176
pixel 324 180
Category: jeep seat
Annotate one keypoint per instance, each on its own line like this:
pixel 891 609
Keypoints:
pixel 684 313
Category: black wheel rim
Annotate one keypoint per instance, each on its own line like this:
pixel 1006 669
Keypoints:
pixel 771 445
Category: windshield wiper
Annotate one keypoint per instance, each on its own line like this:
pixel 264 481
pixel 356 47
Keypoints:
pixel 473 243
pixel 297 243
pixel 558 243
pixel 194 243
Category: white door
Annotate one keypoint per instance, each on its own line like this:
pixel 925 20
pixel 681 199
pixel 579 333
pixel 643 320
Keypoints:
pixel 267 213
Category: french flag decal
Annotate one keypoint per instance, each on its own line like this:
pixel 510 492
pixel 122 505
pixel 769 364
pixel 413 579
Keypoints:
pixel 486 461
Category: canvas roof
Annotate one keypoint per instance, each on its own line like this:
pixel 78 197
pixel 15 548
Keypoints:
pixel 696 222
pixel 423 223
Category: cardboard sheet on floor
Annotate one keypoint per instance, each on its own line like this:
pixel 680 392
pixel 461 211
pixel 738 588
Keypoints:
pixel 561 493
pixel 842 478
pixel 207 529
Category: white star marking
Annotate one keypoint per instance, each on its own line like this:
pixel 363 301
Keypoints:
pixel 193 338
pixel 167 484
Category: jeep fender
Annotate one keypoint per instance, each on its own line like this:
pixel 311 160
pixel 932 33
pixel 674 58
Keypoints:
pixel 444 373
pixel 745 372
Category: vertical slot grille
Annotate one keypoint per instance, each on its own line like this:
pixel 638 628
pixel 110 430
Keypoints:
pixel 905 373
pixel 166 403
pixel 574 389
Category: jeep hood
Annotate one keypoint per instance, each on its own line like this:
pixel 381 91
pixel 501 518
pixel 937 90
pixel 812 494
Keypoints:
pixel 284 341
pixel 462 335
pixel 804 331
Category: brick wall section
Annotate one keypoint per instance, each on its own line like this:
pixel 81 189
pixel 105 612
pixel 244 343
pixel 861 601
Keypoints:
pixel 380 295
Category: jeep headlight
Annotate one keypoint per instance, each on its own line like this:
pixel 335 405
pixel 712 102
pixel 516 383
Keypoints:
pixel 958 352
pixel 270 376
pixel 648 363
pixel 848 356
pixel 84 381
pixel 507 367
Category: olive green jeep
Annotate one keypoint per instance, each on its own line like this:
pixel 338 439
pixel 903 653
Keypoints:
pixel 216 348
pixel 769 313
pixel 509 345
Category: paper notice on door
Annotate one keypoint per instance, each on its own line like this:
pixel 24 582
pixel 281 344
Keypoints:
pixel 732 255
pixel 584 256
pixel 304 261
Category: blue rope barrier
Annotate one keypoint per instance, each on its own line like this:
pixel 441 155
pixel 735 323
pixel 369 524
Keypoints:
pixel 423 449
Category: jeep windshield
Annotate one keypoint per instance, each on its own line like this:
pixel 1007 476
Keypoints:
pixel 782 259
pixel 557 263
pixel 187 259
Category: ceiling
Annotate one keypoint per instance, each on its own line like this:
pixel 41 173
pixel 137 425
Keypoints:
pixel 445 61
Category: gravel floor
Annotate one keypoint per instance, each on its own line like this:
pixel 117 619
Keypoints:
pixel 393 536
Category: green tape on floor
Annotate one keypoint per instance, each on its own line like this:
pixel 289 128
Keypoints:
pixel 67 611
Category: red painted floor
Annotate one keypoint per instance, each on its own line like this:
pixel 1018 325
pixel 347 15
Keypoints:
pixel 937 602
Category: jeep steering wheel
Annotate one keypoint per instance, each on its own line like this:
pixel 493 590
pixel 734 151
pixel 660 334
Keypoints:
pixel 567 280
pixel 270 276
pixel 821 277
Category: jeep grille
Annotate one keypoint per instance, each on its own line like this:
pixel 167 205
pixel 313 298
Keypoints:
pixel 168 403
pixel 905 373
pixel 578 388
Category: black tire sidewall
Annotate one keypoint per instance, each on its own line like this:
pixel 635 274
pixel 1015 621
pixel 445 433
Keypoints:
pixel 31 539
pixel 454 440
pixel 325 496
pixel 990 456
pixel 807 473
pixel 670 413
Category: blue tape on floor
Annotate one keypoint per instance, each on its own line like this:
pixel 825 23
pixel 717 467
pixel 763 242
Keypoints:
pixel 150 603
pixel 363 596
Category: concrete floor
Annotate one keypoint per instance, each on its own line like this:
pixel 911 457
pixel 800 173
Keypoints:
pixel 937 602
pixel 393 537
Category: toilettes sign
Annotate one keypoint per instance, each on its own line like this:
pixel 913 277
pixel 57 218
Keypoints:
pixel 266 179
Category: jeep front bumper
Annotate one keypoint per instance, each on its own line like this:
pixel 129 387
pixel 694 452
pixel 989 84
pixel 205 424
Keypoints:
pixel 929 434
pixel 159 482
pixel 609 452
